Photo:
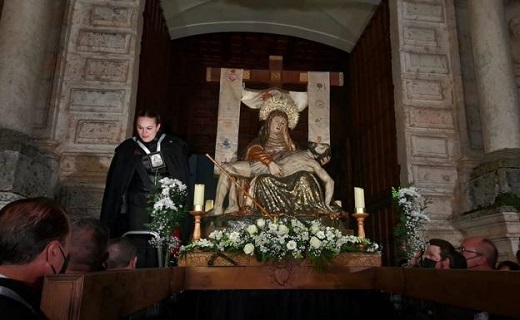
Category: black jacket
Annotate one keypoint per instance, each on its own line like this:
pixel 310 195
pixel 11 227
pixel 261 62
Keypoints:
pixel 12 308
pixel 122 168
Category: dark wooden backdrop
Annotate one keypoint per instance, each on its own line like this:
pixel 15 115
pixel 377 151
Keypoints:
pixel 172 79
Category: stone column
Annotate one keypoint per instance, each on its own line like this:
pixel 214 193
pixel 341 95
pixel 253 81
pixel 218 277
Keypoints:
pixel 499 108
pixel 24 27
pixel 494 187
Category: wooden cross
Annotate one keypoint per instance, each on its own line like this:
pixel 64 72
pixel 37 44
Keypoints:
pixel 275 76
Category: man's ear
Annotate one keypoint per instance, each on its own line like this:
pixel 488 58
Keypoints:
pixel 52 252
pixel 133 263
pixel 53 249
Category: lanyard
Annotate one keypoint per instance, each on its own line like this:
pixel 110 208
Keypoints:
pixel 145 148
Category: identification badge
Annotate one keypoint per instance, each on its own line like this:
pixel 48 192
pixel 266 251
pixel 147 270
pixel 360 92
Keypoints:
pixel 156 160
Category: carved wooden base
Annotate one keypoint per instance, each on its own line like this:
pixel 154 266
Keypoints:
pixel 205 259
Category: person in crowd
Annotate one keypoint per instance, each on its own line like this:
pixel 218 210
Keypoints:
pixel 508 265
pixel 480 253
pixel 138 165
pixel 89 241
pixel 437 254
pixel 34 242
pixel 456 261
pixel 122 254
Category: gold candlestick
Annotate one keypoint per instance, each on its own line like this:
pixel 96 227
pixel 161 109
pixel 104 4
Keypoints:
pixel 360 216
pixel 196 230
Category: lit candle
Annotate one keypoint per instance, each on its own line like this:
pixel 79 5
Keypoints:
pixel 198 198
pixel 359 198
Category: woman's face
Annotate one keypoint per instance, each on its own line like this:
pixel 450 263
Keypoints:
pixel 278 124
pixel 147 128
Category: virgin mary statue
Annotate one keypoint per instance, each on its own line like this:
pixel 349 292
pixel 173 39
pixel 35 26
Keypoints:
pixel 274 176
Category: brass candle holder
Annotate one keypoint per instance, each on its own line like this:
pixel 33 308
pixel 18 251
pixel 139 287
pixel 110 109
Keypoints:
pixel 360 215
pixel 197 212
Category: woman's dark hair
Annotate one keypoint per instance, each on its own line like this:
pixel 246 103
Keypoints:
pixel 149 114
pixel 27 226
pixel 446 247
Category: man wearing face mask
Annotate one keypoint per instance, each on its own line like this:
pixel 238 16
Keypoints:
pixel 437 254
pixel 34 242
pixel 480 253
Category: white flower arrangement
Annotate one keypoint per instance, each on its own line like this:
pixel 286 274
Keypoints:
pixel 412 221
pixel 283 238
pixel 168 208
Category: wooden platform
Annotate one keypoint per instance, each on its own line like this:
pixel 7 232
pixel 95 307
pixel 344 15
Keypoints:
pixel 113 295
pixel 205 259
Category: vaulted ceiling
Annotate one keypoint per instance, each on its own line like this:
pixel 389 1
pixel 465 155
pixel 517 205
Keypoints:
pixel 338 23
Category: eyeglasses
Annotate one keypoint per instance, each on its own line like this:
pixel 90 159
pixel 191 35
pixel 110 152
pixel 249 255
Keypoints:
pixel 462 250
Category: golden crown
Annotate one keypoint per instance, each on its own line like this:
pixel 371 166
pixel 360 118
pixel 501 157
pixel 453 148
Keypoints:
pixel 283 103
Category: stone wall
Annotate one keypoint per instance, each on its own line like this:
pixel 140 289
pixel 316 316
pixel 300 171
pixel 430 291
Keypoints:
pixel 95 95
pixel 427 102
pixel 25 169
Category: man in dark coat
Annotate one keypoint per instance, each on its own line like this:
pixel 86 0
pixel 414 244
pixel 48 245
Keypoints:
pixel 138 164
pixel 34 242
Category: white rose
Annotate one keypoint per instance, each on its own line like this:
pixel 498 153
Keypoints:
pixel 315 228
pixel 283 229
pixel 249 249
pixel 260 223
pixel 320 234
pixel 252 229
pixel 291 245
pixel 217 235
pixel 234 236
pixel 315 242
pixel 273 226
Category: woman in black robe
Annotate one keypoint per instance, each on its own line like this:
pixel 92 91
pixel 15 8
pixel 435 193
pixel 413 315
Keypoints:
pixel 138 164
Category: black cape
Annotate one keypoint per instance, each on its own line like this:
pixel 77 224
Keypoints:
pixel 15 309
pixel 123 166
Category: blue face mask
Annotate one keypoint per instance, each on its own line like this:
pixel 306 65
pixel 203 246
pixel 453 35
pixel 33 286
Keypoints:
pixel 427 263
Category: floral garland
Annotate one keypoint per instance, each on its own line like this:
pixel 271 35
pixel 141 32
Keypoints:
pixel 412 220
pixel 168 209
pixel 283 238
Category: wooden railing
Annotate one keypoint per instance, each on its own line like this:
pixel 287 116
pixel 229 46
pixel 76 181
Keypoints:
pixel 113 295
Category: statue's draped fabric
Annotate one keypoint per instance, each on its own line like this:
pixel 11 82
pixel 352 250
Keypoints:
pixel 297 194
pixel 318 89
pixel 228 115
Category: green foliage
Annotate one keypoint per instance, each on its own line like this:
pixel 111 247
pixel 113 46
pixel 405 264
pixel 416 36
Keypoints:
pixel 508 199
